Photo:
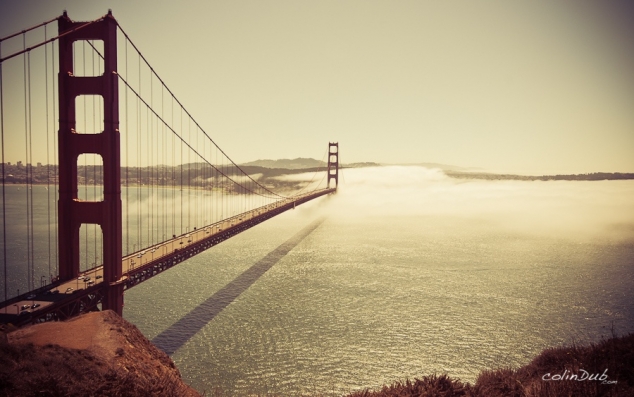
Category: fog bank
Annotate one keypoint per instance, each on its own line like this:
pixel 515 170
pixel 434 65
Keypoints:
pixel 596 209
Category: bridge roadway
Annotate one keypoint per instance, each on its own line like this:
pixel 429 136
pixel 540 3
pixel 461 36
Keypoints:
pixel 64 299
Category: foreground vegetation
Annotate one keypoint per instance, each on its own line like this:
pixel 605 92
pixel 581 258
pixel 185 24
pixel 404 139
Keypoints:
pixel 601 369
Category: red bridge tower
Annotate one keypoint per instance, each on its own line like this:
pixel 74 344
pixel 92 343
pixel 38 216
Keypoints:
pixel 72 143
pixel 333 163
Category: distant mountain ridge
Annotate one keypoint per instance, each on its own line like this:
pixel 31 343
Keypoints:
pixel 294 164
pixel 595 176
pixel 301 163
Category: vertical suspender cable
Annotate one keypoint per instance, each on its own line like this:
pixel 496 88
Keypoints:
pixel 196 187
pixel 48 163
pixel 160 159
pixel 215 189
pixel 85 253
pixel 173 173
pixel 127 158
pixel 56 168
pixel 150 150
pixel 214 186
pixel 189 178
pixel 222 187
pixel 94 164
pixel 162 169
pixel 26 145
pixel 30 190
pixel 181 179
pixel 139 237
pixel 100 168
pixel 4 211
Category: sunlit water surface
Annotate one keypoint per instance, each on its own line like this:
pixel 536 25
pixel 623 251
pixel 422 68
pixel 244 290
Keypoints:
pixel 412 273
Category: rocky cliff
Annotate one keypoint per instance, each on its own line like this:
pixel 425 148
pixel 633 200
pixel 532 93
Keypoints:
pixel 97 354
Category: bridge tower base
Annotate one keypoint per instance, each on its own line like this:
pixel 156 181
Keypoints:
pixel 333 163
pixel 72 212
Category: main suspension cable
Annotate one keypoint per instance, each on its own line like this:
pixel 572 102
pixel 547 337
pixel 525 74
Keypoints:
pixel 192 149
pixel 23 31
pixel 29 49
pixel 188 114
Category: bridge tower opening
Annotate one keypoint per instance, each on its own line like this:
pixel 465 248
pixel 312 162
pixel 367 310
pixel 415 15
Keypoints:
pixel 333 163
pixel 73 212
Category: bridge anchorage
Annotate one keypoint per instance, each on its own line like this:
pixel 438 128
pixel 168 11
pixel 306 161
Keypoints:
pixel 172 169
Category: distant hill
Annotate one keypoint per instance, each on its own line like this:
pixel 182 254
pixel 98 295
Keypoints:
pixel 302 163
pixel 444 167
pixel 295 164
pixel 360 165
pixel 596 176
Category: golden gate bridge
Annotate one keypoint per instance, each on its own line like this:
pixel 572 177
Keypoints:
pixel 127 183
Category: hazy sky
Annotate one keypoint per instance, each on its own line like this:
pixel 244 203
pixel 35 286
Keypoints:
pixel 529 87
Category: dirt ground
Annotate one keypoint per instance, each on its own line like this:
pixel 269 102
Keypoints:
pixel 94 354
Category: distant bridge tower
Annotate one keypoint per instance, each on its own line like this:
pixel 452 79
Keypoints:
pixel 333 163
pixel 72 143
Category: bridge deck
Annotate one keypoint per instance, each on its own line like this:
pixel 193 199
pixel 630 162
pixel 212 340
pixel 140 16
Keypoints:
pixel 85 292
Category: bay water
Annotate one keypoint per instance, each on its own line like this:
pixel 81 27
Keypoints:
pixel 410 273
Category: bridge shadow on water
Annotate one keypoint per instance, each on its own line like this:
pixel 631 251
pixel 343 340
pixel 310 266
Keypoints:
pixel 184 329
